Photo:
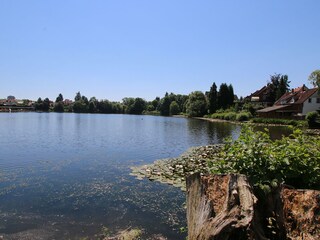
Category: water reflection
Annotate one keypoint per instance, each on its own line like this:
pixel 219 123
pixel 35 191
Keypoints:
pixel 66 175
pixel 212 133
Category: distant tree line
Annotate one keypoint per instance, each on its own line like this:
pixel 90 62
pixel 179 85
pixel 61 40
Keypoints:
pixel 196 104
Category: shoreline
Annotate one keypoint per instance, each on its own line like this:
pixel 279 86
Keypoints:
pixel 173 171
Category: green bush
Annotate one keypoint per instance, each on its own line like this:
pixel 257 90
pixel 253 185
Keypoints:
pixel 279 121
pixel 243 116
pixel 230 116
pixel 312 116
pixel 294 160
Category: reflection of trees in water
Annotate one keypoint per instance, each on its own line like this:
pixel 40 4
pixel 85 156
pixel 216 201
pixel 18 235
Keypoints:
pixel 216 132
pixel 276 132
pixel 212 132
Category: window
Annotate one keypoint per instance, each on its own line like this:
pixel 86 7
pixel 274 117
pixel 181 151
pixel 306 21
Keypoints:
pixel 309 100
pixel 318 100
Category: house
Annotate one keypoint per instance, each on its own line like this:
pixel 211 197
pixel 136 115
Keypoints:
pixel 262 96
pixel 294 104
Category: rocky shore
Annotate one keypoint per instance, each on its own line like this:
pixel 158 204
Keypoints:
pixel 175 170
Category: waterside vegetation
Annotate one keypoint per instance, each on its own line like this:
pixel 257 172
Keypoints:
pixel 292 160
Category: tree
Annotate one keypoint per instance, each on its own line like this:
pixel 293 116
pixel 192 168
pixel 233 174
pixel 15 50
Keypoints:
pixel 174 108
pixel 77 97
pixel 230 95
pixel 223 95
pixel 314 78
pixel 39 104
pixel 46 105
pixel 156 103
pixel 128 103
pixel 213 98
pixel 279 85
pixel 196 104
pixel 85 99
pixel 138 106
pixel 283 86
pixel 59 98
pixel 165 105
pixel 58 107
pixel 104 106
pixel 80 107
pixel 93 105
pixel 181 100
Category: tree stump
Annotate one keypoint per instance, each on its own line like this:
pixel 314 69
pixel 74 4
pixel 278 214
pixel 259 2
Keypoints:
pixel 219 207
pixel 224 207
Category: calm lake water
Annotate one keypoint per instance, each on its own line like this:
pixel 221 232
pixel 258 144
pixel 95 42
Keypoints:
pixel 66 176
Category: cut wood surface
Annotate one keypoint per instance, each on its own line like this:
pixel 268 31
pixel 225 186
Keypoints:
pixel 224 207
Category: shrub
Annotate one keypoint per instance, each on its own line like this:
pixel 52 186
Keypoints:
pixel 230 116
pixel 312 117
pixel 278 121
pixel 243 116
pixel 294 160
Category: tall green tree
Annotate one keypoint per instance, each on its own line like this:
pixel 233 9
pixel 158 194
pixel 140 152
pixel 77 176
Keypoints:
pixel 197 104
pixel 230 95
pixel 283 86
pixel 77 97
pixel 128 103
pixel 139 105
pixel 59 98
pixel 46 105
pixel 93 102
pixel 223 95
pixel 213 98
pixel 279 85
pixel 39 104
pixel 314 78
pixel 58 107
pixel 174 108
pixel 80 107
pixel 165 105
pixel 181 101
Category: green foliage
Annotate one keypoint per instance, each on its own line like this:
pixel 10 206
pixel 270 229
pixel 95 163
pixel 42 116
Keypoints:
pixel 278 85
pixel 225 96
pixel 58 107
pixel 279 121
pixel 80 107
pixel 196 104
pixel 59 98
pixel 243 116
pixel 232 116
pixel 174 108
pixel 139 106
pixel 294 160
pixel 213 98
pixel 314 78
pixel 165 105
pixel 312 116
pixel 77 97
pixel 42 105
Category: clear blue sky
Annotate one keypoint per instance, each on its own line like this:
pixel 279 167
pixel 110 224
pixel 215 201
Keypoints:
pixel 113 49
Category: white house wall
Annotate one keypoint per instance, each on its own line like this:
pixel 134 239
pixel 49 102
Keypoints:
pixel 312 106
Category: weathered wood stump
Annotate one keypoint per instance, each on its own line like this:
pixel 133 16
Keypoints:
pixel 224 207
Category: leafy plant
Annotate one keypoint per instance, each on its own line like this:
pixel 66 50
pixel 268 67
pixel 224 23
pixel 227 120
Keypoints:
pixel 294 160
pixel 243 116
pixel 312 116
pixel 279 121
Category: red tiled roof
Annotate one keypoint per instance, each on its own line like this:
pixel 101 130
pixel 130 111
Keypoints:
pixel 299 95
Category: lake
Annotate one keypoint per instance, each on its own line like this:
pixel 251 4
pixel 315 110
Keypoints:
pixel 66 176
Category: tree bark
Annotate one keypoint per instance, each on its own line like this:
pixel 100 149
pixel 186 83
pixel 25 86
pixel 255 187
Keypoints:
pixel 224 207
